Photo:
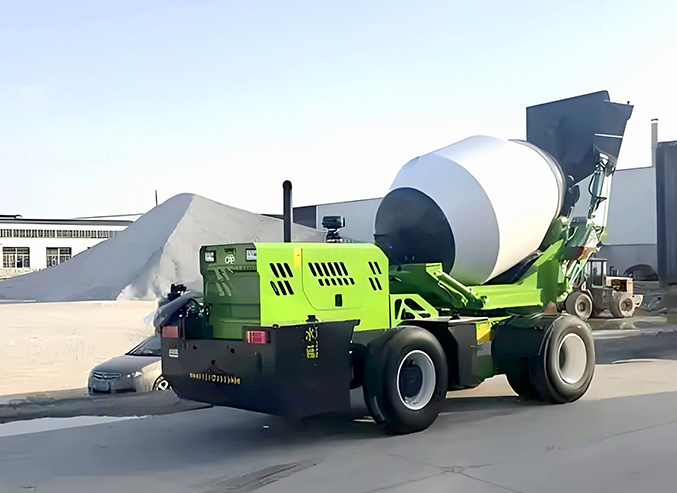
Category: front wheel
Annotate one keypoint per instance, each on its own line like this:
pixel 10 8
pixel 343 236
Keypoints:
pixel 550 358
pixel 520 380
pixel 564 369
pixel 405 380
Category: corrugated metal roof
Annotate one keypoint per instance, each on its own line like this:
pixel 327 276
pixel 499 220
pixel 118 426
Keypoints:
pixel 18 221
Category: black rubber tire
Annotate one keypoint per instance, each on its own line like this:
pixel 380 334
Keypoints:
pixel 520 380
pixel 159 384
pixel 546 375
pixel 357 357
pixel 622 305
pixel 579 304
pixel 381 385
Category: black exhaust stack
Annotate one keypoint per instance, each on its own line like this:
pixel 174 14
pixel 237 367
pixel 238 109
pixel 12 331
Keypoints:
pixel 287 210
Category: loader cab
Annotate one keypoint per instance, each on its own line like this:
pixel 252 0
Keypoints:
pixel 595 273
pixel 598 276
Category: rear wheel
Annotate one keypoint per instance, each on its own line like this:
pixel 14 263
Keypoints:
pixel 622 305
pixel 405 380
pixel 579 304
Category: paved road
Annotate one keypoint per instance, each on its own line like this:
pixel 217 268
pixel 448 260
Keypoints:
pixel 619 437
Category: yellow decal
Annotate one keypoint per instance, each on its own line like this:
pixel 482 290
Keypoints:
pixel 483 331
pixel 312 352
pixel 297 258
pixel 312 343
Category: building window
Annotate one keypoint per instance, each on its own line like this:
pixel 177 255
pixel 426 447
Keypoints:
pixel 58 233
pixel 57 256
pixel 16 257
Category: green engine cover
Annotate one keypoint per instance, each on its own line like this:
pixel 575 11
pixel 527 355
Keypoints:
pixel 265 284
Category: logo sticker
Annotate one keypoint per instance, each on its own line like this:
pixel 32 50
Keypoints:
pixel 312 343
pixel 173 353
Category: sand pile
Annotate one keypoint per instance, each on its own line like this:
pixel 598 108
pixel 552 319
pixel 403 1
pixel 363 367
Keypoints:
pixel 159 248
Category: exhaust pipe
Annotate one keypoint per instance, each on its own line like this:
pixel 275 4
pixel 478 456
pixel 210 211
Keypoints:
pixel 288 213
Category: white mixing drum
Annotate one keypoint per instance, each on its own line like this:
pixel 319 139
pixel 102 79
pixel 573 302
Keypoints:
pixel 479 206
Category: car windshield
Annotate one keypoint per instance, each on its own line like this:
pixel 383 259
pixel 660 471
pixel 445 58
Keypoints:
pixel 149 347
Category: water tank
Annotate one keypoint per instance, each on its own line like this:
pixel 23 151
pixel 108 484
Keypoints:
pixel 478 206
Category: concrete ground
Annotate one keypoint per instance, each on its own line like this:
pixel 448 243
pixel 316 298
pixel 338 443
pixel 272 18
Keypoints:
pixel 619 437
pixel 71 403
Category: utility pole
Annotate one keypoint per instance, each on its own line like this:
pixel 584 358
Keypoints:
pixel 156 197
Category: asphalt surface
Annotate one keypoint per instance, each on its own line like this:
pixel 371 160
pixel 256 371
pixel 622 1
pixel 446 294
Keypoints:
pixel 69 403
pixel 619 437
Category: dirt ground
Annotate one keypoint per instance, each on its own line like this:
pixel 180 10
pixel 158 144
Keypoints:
pixel 52 346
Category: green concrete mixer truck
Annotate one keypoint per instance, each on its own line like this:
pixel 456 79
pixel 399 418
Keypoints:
pixel 475 246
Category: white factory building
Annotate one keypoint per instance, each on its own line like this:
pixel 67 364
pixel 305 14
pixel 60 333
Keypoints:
pixel 632 225
pixel 33 244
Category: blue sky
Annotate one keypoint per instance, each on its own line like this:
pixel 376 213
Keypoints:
pixel 102 102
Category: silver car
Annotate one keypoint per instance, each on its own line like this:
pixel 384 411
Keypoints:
pixel 139 370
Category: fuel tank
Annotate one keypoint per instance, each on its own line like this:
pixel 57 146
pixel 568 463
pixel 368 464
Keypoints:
pixel 478 206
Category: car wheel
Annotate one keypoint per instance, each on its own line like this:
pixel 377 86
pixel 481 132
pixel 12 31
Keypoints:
pixel 161 384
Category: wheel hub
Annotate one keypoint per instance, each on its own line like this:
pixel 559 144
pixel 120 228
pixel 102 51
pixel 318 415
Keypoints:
pixel 416 380
pixel 572 358
pixel 411 380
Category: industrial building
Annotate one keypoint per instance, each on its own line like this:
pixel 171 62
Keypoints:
pixel 34 244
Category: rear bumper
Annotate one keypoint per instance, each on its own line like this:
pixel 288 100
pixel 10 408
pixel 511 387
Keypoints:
pixel 302 370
